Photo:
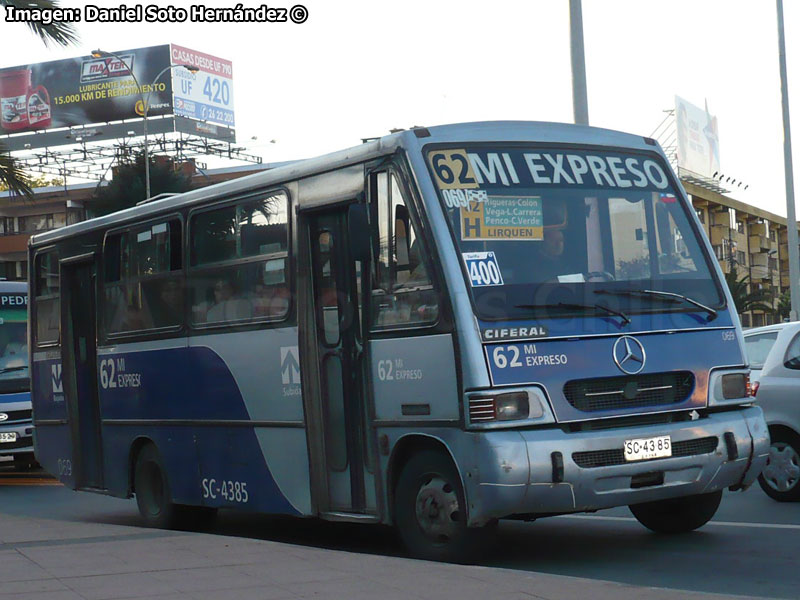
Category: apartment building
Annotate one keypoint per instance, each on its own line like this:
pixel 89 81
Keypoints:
pixel 749 240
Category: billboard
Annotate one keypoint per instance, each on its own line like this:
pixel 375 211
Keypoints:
pixel 84 90
pixel 207 94
pixel 88 90
pixel 698 138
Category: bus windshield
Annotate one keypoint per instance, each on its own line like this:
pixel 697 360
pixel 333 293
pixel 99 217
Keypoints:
pixel 13 343
pixel 549 230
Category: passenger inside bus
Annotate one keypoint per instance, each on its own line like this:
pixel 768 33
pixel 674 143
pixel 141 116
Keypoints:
pixel 227 305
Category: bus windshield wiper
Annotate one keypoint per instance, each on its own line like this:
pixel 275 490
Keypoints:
pixel 579 307
pixel 667 296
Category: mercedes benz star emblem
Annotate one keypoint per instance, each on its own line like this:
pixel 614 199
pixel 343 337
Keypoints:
pixel 629 355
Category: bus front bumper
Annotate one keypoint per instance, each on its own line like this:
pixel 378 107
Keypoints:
pixel 542 472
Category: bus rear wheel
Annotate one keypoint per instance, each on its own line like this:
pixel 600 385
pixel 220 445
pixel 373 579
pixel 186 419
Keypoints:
pixel 430 511
pixel 677 515
pixel 152 490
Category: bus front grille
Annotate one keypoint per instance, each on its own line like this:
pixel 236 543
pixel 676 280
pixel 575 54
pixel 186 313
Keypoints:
pixel 616 456
pixel 15 415
pixel 633 391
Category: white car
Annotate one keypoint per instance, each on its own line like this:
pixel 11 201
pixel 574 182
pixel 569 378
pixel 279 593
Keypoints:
pixel 774 355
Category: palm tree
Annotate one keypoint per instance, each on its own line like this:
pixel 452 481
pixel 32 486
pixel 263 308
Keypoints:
pixel 58 33
pixel 745 300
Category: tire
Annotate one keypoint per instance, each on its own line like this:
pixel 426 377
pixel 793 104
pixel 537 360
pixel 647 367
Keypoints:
pixel 153 495
pixel 677 515
pixel 780 478
pixel 430 511
pixel 25 462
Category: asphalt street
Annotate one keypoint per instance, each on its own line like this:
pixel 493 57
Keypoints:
pixel 750 548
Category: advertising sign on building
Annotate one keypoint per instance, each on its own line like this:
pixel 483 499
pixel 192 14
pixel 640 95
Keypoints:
pixel 698 138
pixel 84 90
pixel 207 94
pixel 90 90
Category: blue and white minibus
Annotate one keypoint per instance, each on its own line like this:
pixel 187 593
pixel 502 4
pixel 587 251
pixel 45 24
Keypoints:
pixel 437 329
pixel 16 426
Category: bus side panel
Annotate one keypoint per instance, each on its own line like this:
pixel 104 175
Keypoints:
pixel 52 437
pixel 414 378
pixel 181 398
pixel 176 447
pixel 265 365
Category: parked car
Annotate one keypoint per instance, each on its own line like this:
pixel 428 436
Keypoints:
pixel 774 355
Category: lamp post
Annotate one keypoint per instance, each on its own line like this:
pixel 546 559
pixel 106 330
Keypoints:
pixel 145 104
pixel 791 220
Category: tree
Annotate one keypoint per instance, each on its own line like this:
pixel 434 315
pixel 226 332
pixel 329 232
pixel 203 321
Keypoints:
pixel 127 187
pixel 38 182
pixel 58 33
pixel 745 300
pixel 784 306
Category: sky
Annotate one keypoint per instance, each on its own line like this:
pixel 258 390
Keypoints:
pixel 357 69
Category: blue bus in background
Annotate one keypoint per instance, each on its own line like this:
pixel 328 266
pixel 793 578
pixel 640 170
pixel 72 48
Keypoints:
pixel 436 330
pixel 16 426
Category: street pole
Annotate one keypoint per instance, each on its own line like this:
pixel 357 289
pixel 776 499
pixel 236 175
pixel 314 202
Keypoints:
pixel 580 104
pixel 145 105
pixel 791 219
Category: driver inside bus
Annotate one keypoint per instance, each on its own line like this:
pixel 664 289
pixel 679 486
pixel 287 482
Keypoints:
pixel 551 261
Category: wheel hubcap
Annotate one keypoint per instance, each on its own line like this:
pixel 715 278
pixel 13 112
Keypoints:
pixel 437 509
pixel 783 467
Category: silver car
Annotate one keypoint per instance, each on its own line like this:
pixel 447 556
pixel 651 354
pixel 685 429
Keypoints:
pixel 774 355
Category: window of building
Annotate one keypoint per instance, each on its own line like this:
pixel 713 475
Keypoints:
pixel 35 223
pixel 143 283
pixel 740 226
pixel 701 215
pixel 47 287
pixel 402 293
pixel 240 256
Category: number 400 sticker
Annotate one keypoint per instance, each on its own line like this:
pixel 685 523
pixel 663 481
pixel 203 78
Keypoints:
pixel 482 269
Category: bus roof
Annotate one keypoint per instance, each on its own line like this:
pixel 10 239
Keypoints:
pixel 413 139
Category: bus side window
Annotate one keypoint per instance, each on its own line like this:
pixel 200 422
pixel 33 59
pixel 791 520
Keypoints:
pixel 48 306
pixel 402 293
pixel 239 261
pixel 142 278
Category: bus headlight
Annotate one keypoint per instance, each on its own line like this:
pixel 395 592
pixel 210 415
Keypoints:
pixel 523 407
pixel 729 387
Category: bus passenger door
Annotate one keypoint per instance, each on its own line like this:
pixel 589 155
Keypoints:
pixel 79 359
pixel 336 286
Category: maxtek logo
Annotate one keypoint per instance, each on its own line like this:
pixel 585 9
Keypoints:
pixel 56 377
pixel 106 68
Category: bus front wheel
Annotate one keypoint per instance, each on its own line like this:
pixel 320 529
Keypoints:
pixel 430 511
pixel 152 490
pixel 677 515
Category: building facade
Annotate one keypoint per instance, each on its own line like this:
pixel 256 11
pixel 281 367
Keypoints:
pixel 748 241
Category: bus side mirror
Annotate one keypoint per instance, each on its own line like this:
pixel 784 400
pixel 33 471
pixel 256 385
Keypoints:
pixel 358 232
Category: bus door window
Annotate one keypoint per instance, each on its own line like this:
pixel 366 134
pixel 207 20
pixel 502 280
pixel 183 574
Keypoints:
pixel 326 290
pixel 402 291
pixel 48 306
